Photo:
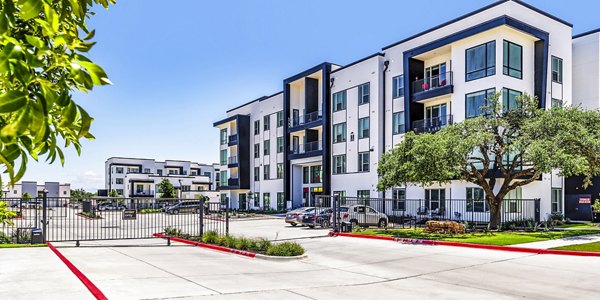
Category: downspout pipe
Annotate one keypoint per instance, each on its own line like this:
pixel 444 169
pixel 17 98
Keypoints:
pixel 386 65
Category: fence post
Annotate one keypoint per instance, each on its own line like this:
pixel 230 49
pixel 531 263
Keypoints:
pixel 537 210
pixel 203 207
pixel 44 214
pixel 336 212
pixel 227 217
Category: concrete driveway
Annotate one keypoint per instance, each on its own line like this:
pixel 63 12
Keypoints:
pixel 337 268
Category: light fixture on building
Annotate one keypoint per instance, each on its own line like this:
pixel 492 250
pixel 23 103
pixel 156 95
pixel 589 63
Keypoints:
pixel 351 136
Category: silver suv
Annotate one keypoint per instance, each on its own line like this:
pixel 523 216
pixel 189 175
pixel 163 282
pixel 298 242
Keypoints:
pixel 362 215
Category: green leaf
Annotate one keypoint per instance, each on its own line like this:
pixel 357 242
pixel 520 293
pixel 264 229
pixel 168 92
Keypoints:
pixel 35 41
pixel 98 75
pixel 69 113
pixel 86 123
pixel 4 24
pixel 90 35
pixel 30 8
pixel 12 101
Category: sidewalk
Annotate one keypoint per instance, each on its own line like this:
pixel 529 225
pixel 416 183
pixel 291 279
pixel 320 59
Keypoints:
pixel 574 240
pixel 36 273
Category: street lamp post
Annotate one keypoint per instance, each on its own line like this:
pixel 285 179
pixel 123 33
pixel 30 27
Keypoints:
pixel 180 189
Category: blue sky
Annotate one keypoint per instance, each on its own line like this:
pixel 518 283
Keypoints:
pixel 178 65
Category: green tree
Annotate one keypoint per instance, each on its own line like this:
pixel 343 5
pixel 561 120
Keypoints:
pixel 113 193
pixel 26 196
pixel 6 215
pixel 166 188
pixel 80 194
pixel 517 146
pixel 42 62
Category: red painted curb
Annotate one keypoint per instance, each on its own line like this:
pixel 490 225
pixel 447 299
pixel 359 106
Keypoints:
pixel 468 245
pixel 88 283
pixel 209 246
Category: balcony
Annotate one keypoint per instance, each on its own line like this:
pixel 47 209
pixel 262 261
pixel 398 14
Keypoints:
pixel 233 182
pixel 432 125
pixel 232 161
pixel 306 119
pixel 141 194
pixel 232 140
pixel 304 150
pixel 433 86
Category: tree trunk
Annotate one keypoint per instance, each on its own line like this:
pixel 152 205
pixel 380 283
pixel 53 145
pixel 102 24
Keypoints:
pixel 495 213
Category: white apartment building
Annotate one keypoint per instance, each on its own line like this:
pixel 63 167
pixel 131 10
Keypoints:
pixel 326 131
pixel 53 189
pixel 139 177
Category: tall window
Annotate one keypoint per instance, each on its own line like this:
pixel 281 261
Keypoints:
pixel 224 137
pixel 363 93
pixel 556 200
pixel 363 195
pixel 399 199
pixel 224 178
pixel 339 133
pixel 119 170
pixel 481 61
pixel 398 86
pixel 280 201
pixel 339 101
pixel 256 127
pixel 279 118
pixel 512 60
pixel 476 101
pixel 256 199
pixel 363 128
pixel 266 147
pixel 363 161
pixel 279 170
pixel 279 144
pixel 435 199
pixel 315 174
pixel 256 173
pixel 224 157
pixel 267 122
pixel 223 199
pixel 266 200
pixel 256 150
pixel 509 99
pixel 476 200
pixel 398 123
pixel 266 172
pixel 513 201
pixel 557 69
pixel 306 175
pixel 339 164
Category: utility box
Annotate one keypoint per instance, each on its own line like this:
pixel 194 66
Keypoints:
pixel 87 206
pixel 346 227
pixel 37 236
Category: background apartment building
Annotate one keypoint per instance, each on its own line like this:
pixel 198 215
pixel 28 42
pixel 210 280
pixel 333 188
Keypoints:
pixel 138 177
pixel 53 189
pixel 333 122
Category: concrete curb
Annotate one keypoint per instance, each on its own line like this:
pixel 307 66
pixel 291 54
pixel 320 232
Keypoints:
pixel 96 292
pixel 280 258
pixel 468 245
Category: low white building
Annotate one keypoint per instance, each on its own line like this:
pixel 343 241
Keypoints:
pixel 53 189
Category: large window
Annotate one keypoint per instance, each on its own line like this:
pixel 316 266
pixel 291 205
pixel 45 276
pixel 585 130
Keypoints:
pixel 398 86
pixel 339 133
pixel 279 144
pixel 279 170
pixel 481 61
pixel 256 127
pixel 256 199
pixel 513 201
pixel 556 200
pixel 363 128
pixel 339 164
pixel 256 173
pixel 256 150
pixel 279 118
pixel 512 64
pixel 364 195
pixel 316 173
pixel 398 123
pixel 224 179
pixel 475 103
pixel 509 99
pixel 476 200
pixel 223 157
pixel 557 69
pixel 435 199
pixel 267 122
pixel 267 172
pixel 339 101
pixel 266 147
pixel 280 201
pixel 399 199
pixel 363 93
pixel 224 137
pixel 363 161
pixel 266 200
pixel 306 175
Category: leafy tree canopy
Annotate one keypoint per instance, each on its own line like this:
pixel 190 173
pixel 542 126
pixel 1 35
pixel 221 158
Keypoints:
pixel 81 194
pixel 42 62
pixel 166 188
pixel 499 150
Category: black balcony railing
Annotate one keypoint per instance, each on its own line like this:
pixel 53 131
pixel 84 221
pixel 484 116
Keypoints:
pixel 233 182
pixel 432 125
pixel 142 194
pixel 307 118
pixel 306 147
pixel 232 160
pixel 432 83
pixel 233 138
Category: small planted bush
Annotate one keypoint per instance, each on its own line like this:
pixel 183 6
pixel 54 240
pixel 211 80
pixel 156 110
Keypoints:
pixel 285 249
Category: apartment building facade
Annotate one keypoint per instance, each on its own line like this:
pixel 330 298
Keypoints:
pixel 334 122
pixel 139 178
pixel 34 189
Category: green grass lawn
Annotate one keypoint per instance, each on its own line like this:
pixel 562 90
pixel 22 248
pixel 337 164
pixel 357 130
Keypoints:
pixel 581 225
pixel 490 238
pixel 591 247
pixel 21 245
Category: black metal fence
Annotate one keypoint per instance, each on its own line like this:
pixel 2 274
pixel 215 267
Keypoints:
pixel 384 212
pixel 70 219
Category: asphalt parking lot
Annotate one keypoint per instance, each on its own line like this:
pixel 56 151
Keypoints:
pixel 336 268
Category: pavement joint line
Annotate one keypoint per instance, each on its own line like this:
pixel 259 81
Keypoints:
pixel 299 294
pixel 507 293
pixel 168 272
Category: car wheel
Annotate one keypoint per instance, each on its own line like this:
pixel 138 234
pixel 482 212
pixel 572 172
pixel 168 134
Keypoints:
pixel 311 226
pixel 325 224
pixel 293 224
pixel 175 211
pixel 382 223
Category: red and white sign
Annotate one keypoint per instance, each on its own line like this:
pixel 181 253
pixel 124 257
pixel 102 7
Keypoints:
pixel 585 200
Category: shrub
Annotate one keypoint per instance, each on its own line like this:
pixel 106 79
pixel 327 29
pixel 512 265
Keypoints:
pixel 172 231
pixel 525 223
pixel 261 245
pixel 150 210
pixel 210 237
pixel 4 238
pixel 285 249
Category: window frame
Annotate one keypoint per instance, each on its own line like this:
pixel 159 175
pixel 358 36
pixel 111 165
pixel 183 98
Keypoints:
pixel 224 136
pixel 279 170
pixel 394 126
pixel 397 88
pixel 256 173
pixel 343 136
pixel 361 128
pixel 557 202
pixel 267 172
pixel 337 100
pixel 223 160
pixel 486 93
pixel 266 147
pixel 487 67
pixel 506 54
pixel 280 143
pixel 362 94
pixel 472 202
pixel 280 118
pixel 256 127
pixel 361 162
pixel 506 102
pixel 256 150
pixel 337 159
pixel 267 123
pixel 559 74
pixel 396 201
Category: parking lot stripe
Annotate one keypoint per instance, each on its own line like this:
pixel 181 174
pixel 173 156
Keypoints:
pixel 96 292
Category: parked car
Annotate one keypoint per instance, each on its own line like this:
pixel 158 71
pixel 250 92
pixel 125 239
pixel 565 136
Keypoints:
pixel 321 218
pixel 111 206
pixel 294 217
pixel 362 215
pixel 32 204
pixel 184 206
